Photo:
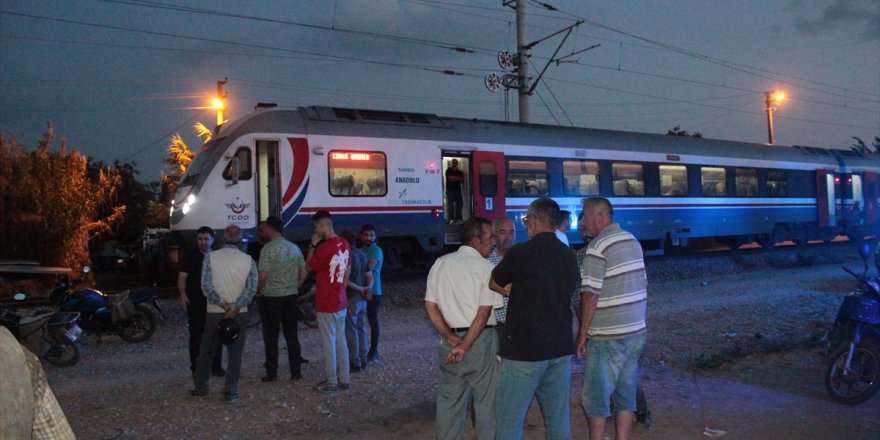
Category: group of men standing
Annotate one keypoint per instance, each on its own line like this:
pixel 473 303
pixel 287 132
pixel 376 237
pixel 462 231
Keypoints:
pixel 525 292
pixel 221 284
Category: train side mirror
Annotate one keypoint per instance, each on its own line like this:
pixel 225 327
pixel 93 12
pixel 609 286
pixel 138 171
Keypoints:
pixel 236 169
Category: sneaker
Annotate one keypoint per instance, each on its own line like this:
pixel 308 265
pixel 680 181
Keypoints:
pixel 295 377
pixel 230 397
pixel 303 360
pixel 268 378
pixel 344 386
pixel 325 387
pixel 198 393
pixel 354 369
pixel 373 356
pixel 364 365
pixel 219 372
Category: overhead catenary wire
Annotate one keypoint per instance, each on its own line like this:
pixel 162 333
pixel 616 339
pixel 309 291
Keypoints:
pixel 164 136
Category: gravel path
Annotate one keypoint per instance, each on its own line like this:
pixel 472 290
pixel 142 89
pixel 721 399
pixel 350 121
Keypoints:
pixel 702 312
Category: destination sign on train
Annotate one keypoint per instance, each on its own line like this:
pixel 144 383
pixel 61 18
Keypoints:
pixel 350 156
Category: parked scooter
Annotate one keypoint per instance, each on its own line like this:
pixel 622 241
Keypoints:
pixel 132 319
pixel 51 334
pixel 853 349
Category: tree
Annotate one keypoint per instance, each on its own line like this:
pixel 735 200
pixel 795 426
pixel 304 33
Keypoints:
pixel 140 200
pixel 677 131
pixel 861 147
pixel 178 159
pixel 51 205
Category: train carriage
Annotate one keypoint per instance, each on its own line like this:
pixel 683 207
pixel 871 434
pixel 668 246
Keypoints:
pixel 387 168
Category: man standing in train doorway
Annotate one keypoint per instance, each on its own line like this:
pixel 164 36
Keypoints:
pixel 454 201
pixel 375 257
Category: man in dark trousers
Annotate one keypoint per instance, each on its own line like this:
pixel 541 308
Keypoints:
pixel 229 282
pixel 454 179
pixel 538 276
pixel 189 284
pixel 282 270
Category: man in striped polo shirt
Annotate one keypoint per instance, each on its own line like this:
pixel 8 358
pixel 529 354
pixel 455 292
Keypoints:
pixel 612 332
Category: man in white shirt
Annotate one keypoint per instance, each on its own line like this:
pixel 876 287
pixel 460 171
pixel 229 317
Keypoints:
pixel 459 304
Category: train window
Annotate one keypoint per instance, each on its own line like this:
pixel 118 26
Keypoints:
pixel 581 177
pixel 777 183
pixel 673 180
pixel 713 181
pixel 488 178
pixel 527 178
pixel 746 182
pixel 245 169
pixel 357 173
pixel 628 179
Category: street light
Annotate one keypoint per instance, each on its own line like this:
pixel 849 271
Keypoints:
pixel 771 98
pixel 217 103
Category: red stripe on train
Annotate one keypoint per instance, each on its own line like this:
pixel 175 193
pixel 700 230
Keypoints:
pixel 419 208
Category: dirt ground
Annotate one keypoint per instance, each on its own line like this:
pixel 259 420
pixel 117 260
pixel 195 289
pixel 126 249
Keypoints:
pixel 136 391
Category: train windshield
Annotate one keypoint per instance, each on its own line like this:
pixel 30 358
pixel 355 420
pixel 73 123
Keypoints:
pixel 195 168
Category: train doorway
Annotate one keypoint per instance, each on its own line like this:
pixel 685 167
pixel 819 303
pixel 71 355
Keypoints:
pixel 268 180
pixel 489 184
pixel 457 200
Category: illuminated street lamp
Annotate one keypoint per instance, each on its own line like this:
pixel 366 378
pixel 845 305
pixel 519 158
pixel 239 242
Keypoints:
pixel 772 100
pixel 217 103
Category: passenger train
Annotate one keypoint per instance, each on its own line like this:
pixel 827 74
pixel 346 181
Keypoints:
pixel 387 168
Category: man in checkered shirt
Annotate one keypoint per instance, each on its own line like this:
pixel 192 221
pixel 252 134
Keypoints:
pixel 505 237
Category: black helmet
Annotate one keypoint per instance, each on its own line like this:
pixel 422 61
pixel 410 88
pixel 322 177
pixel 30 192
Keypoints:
pixel 228 330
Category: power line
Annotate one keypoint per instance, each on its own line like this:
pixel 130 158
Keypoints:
pixel 236 43
pixel 412 40
pixel 164 136
pixel 684 101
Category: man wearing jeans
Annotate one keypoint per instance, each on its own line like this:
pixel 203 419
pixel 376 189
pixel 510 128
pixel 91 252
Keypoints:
pixel 538 276
pixel 612 331
pixel 329 257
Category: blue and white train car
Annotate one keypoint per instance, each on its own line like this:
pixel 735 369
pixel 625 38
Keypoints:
pixel 387 168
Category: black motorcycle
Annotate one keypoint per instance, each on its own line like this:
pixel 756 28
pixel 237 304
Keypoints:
pixel 51 334
pixel 853 343
pixel 129 314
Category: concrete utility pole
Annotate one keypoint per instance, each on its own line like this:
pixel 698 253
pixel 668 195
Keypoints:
pixel 522 64
pixel 219 101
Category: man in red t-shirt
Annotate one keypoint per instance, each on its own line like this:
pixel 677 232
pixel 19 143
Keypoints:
pixel 329 257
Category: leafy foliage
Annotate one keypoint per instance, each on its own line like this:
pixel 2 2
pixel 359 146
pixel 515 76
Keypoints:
pixel 677 131
pixel 52 206
pixel 178 159
pixel 861 147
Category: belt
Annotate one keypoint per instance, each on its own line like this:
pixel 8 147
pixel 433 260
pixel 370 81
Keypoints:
pixel 464 329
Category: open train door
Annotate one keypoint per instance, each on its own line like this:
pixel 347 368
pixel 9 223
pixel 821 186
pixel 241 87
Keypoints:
pixel 489 184
pixel 268 179
pixel 826 210
pixel 870 198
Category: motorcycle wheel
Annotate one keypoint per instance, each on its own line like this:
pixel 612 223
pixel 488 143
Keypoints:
pixel 63 352
pixel 140 327
pixel 861 381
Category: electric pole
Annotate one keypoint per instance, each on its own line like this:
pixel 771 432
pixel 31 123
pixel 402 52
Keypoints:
pixel 220 100
pixel 522 61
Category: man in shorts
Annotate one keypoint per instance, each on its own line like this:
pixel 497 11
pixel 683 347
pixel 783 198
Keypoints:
pixel 612 331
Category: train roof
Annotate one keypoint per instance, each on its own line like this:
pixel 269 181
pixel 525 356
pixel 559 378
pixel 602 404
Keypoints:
pixel 336 121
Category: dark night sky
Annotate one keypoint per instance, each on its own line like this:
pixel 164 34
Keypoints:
pixel 118 77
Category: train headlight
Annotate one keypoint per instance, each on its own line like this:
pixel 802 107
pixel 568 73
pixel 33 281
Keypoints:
pixel 191 200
